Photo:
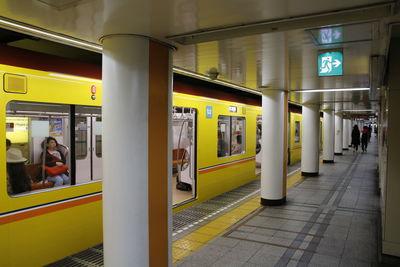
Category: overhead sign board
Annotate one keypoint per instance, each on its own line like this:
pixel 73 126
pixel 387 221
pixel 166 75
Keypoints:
pixel 330 63
pixel 330 35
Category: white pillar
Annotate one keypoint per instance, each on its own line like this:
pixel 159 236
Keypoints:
pixel 274 142
pixel 346 130
pixel 310 141
pixel 329 137
pixel 350 122
pixel 338 134
pixel 136 152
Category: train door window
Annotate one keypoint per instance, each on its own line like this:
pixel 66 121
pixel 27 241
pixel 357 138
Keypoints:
pixel 98 137
pixel 237 133
pixel 224 136
pixel 184 155
pixel 81 128
pixel 88 144
pixel 28 125
pixel 297 132
pixel 231 136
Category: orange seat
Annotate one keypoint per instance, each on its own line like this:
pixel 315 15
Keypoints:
pixel 34 172
pixel 179 157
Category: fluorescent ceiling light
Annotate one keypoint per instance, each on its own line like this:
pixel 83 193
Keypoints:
pixel 206 78
pixel 35 31
pixel 330 90
pixel 358 110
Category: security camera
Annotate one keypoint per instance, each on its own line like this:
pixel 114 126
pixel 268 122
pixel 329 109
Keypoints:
pixel 213 73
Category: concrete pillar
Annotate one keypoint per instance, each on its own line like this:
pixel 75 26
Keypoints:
pixel 329 137
pixel 346 130
pixel 349 133
pixel 136 151
pixel 310 141
pixel 274 142
pixel 338 134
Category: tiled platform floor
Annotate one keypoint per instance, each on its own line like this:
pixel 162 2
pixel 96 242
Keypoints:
pixel 330 220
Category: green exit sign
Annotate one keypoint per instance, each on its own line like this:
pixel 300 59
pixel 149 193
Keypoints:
pixel 330 63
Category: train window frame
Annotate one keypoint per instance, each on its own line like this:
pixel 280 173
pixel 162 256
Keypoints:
pixel 68 112
pixel 232 136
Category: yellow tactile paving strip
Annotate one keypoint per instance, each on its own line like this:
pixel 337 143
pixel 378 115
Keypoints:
pixel 198 238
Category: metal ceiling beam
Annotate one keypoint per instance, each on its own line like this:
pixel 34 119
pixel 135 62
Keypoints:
pixel 353 15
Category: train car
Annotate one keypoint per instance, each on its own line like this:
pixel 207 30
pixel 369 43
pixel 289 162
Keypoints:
pixel 47 223
pixel 215 146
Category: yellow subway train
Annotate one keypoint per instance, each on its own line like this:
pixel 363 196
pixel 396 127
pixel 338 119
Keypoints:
pixel 215 145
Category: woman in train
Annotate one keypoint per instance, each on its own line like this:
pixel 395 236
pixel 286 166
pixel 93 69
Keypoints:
pixel 56 170
pixel 18 178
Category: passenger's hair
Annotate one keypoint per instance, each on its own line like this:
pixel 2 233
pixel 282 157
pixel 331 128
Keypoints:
pixel 355 127
pixel 18 177
pixel 48 139
pixel 8 142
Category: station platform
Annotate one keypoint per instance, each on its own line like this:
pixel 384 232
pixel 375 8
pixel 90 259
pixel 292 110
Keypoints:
pixel 329 220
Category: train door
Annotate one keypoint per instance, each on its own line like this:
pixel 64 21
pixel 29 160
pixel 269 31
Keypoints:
pixel 184 154
pixel 88 144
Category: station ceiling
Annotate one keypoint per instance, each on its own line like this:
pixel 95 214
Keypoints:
pixel 256 44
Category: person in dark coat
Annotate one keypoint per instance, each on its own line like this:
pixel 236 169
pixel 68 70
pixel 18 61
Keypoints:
pixel 355 138
pixel 18 178
pixel 364 138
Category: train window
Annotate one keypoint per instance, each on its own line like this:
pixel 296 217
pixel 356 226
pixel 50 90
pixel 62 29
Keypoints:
pixel 88 144
pixel 224 136
pixel 231 135
pixel 237 143
pixel 297 132
pixel 31 126
pixel 97 133
pixel 258 133
pixel 81 129
pixel 27 127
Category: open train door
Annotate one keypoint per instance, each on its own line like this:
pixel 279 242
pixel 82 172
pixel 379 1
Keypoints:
pixel 184 154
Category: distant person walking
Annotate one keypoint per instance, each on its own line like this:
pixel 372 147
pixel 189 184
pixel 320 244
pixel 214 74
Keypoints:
pixel 369 133
pixel 355 138
pixel 365 138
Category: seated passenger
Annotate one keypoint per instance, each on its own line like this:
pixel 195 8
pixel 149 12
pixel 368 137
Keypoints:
pixel 56 170
pixel 18 178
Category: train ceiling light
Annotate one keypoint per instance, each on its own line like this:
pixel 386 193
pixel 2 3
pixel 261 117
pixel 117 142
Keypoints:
pixel 48 35
pixel 330 90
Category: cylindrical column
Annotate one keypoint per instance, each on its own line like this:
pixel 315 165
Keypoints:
pixel 350 122
pixel 136 151
pixel 338 134
pixel 329 137
pixel 346 131
pixel 274 147
pixel 310 141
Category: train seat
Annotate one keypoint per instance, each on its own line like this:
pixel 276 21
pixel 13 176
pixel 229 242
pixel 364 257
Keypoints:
pixel 34 172
pixel 179 157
